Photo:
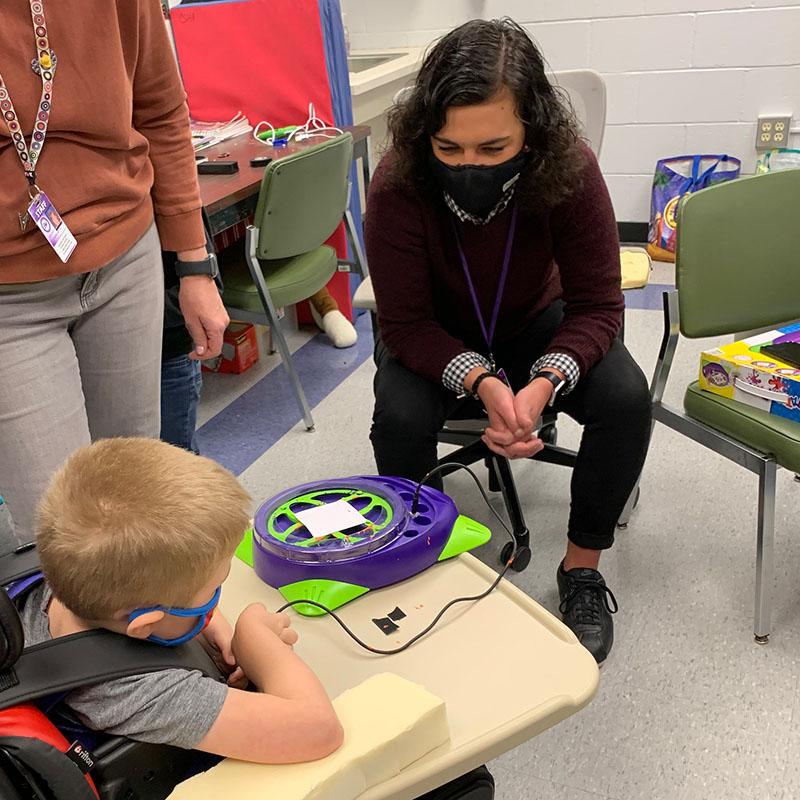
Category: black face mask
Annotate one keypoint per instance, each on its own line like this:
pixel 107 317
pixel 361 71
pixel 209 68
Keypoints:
pixel 478 189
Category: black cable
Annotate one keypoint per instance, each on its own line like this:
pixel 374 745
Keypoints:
pixel 447 606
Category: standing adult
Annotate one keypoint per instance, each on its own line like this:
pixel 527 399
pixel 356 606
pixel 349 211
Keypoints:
pixel 95 129
pixel 494 256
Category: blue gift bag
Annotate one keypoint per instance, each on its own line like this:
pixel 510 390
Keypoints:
pixel 674 178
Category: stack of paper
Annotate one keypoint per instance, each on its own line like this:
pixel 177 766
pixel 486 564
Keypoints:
pixel 207 134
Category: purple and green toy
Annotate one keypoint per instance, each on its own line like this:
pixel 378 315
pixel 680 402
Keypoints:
pixel 392 544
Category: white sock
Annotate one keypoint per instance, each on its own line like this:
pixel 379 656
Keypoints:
pixel 335 324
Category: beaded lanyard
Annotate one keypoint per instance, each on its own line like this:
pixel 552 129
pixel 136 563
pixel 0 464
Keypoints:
pixel 45 62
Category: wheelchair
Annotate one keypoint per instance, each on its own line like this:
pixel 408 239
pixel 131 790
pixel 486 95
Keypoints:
pixel 46 754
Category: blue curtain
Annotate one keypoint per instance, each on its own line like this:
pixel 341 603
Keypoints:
pixel 336 61
pixel 339 82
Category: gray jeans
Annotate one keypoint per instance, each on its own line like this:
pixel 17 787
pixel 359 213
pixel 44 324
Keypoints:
pixel 80 359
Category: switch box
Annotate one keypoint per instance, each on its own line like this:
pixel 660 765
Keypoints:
pixel 772 133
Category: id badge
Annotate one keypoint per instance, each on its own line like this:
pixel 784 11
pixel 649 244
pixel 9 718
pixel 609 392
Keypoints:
pixel 501 373
pixel 54 228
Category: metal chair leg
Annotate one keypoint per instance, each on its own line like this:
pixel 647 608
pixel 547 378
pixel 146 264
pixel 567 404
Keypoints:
pixel 625 516
pixel 505 478
pixel 494 483
pixel 286 356
pixel 765 555
pixel 355 243
pixel 276 334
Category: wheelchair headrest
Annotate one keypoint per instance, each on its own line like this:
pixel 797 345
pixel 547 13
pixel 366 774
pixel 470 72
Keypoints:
pixel 18 571
pixel 11 637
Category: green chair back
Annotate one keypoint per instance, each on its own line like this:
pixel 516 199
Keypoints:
pixel 303 198
pixel 738 255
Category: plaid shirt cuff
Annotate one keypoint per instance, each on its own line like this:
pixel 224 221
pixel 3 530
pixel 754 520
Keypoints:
pixel 458 369
pixel 563 363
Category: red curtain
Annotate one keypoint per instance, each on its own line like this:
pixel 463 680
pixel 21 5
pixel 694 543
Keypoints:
pixel 265 59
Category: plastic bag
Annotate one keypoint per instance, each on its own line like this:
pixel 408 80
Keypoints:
pixel 775 160
pixel 675 177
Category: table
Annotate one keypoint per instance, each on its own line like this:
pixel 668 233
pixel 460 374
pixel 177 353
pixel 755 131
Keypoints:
pixel 229 199
pixel 506 667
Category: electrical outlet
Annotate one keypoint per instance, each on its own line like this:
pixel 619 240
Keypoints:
pixel 772 133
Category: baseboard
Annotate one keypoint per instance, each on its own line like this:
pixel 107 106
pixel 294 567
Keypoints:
pixel 632 232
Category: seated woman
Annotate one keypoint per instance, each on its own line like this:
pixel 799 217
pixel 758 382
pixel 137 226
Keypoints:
pixel 494 256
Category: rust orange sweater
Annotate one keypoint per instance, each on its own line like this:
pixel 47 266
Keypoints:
pixel 118 148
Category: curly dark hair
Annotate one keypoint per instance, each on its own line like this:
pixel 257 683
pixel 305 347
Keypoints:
pixel 469 66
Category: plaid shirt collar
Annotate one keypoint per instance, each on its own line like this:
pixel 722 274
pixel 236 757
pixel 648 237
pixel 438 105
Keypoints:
pixel 465 216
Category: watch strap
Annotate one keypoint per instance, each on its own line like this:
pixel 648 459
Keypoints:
pixel 206 266
pixel 477 382
pixel 558 383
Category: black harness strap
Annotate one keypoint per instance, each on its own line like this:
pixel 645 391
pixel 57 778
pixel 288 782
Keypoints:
pixel 60 665
pixel 91 657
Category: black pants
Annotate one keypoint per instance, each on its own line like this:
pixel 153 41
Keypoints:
pixel 611 401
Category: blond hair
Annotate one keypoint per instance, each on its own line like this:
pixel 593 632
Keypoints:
pixel 133 523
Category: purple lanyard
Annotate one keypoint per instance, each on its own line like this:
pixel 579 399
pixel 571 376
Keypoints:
pixel 488 336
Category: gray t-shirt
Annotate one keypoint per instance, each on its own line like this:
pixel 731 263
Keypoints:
pixel 174 706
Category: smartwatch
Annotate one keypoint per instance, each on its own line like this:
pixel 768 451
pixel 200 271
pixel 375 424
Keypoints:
pixel 207 266
pixel 558 383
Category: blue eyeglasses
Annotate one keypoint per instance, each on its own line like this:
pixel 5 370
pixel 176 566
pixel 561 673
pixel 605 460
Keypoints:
pixel 204 614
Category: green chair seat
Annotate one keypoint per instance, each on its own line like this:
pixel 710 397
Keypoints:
pixel 765 432
pixel 289 280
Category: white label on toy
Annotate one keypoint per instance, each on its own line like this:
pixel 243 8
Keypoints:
pixel 328 519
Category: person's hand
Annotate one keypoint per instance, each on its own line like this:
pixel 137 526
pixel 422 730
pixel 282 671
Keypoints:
pixel 204 315
pixel 216 640
pixel 262 643
pixel 255 619
pixel 529 403
pixel 498 400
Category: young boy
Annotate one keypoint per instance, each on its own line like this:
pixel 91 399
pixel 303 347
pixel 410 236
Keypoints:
pixel 133 529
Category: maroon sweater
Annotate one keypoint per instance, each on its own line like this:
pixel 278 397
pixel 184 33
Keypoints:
pixel 425 312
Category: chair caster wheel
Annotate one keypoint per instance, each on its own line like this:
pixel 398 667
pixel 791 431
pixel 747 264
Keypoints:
pixel 622 526
pixel 762 639
pixel 521 560
pixel 549 434
pixel 312 429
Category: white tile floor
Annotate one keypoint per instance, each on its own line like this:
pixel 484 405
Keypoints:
pixel 689 707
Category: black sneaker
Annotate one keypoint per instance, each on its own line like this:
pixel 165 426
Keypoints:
pixel 586 610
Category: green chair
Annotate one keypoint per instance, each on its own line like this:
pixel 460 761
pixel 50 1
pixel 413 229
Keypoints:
pixel 737 269
pixel 302 200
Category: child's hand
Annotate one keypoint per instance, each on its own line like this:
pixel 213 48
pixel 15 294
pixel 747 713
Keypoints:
pixel 216 640
pixel 256 617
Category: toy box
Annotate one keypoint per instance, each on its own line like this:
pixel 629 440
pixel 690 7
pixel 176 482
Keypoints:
pixel 741 372
pixel 239 350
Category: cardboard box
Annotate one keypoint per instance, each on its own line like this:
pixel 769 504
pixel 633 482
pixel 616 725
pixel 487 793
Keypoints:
pixel 239 350
pixel 739 371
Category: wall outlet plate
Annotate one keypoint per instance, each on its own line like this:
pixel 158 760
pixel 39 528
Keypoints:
pixel 772 133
